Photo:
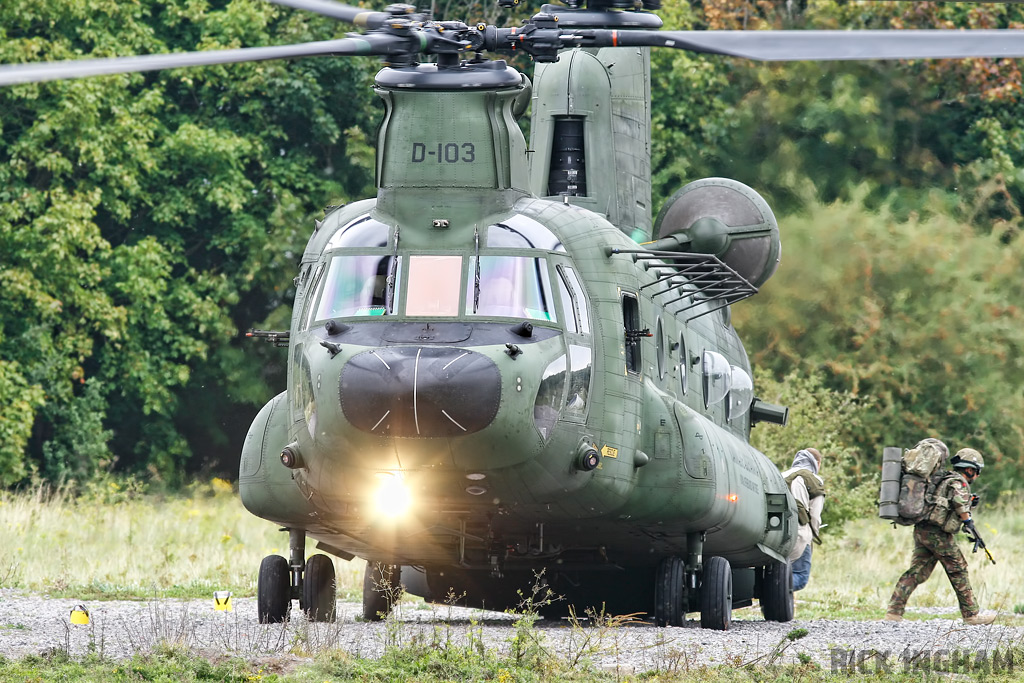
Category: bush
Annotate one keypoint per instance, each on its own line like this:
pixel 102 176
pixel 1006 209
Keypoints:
pixel 824 419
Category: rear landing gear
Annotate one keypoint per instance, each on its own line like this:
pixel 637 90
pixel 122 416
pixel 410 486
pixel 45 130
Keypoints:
pixel 777 592
pixel 381 588
pixel 716 594
pixel 670 599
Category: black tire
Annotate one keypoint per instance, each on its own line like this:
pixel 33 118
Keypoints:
pixel 777 592
pixel 273 590
pixel 669 593
pixel 380 588
pixel 319 589
pixel 716 594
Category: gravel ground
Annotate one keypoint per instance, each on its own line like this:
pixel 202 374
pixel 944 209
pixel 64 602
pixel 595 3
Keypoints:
pixel 31 624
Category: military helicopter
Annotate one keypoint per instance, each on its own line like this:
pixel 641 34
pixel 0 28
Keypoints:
pixel 504 369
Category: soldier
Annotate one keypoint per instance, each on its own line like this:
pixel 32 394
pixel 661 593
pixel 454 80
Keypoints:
pixel 808 488
pixel 934 541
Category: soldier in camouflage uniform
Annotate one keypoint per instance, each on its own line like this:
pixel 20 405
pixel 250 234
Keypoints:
pixel 934 545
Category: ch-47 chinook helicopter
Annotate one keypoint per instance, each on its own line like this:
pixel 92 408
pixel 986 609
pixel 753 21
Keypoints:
pixel 502 367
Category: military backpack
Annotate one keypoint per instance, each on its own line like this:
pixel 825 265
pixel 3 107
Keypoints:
pixel 922 475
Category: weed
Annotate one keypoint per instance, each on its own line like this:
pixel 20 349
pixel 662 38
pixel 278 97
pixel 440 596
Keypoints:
pixel 526 642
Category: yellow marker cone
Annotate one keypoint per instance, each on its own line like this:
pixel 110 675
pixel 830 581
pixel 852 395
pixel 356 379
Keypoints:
pixel 79 615
pixel 222 601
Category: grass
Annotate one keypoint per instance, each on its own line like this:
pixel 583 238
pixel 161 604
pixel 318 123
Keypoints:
pixel 119 544
pixel 853 574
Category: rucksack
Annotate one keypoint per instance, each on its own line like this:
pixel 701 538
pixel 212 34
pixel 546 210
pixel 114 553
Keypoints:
pixel 939 504
pixel 925 458
pixel 919 475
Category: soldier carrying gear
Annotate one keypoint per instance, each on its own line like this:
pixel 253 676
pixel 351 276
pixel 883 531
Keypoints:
pixel 934 541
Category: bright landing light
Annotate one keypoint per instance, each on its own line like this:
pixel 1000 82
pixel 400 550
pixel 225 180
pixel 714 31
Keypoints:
pixel 391 499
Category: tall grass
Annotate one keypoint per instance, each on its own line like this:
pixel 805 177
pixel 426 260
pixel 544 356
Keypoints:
pixel 115 542
pixel 118 543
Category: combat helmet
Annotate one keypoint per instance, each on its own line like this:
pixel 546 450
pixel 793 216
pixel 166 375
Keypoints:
pixel 968 457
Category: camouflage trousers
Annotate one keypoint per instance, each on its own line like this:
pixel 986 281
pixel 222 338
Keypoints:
pixel 932 545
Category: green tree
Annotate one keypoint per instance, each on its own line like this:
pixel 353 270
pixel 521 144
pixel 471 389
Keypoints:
pixel 146 218
pixel 922 316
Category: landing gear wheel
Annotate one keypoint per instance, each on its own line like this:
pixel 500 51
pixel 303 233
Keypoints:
pixel 273 590
pixel 669 593
pixel 319 591
pixel 777 592
pixel 380 589
pixel 716 594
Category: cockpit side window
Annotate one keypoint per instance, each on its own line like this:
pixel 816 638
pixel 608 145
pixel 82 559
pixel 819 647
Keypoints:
pixel 510 287
pixel 356 286
pixel 574 303
pixel 314 291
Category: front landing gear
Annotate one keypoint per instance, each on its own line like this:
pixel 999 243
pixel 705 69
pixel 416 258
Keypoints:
pixel 273 592
pixel 312 583
pixel 319 590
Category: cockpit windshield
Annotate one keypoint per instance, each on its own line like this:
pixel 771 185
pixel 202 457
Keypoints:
pixel 357 285
pixel 510 286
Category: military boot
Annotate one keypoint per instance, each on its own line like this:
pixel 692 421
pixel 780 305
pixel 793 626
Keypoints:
pixel 981 619
pixel 893 616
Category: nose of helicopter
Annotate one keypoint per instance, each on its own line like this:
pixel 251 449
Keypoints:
pixel 420 391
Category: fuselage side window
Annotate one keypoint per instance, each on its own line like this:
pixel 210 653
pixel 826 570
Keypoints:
pixel 684 363
pixel 631 324
pixel 659 340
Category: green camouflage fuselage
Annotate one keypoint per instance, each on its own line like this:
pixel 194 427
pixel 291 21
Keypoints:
pixel 491 427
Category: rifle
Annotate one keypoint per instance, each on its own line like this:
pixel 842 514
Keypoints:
pixel 978 543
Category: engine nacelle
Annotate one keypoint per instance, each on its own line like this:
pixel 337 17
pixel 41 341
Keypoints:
pixel 726 218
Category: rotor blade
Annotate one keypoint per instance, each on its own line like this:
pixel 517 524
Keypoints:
pixel 832 45
pixel 336 10
pixel 369 44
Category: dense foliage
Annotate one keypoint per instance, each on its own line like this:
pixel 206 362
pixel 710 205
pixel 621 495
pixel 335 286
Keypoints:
pixel 146 219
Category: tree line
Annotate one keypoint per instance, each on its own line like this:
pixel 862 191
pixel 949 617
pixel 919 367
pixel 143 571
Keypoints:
pixel 147 219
